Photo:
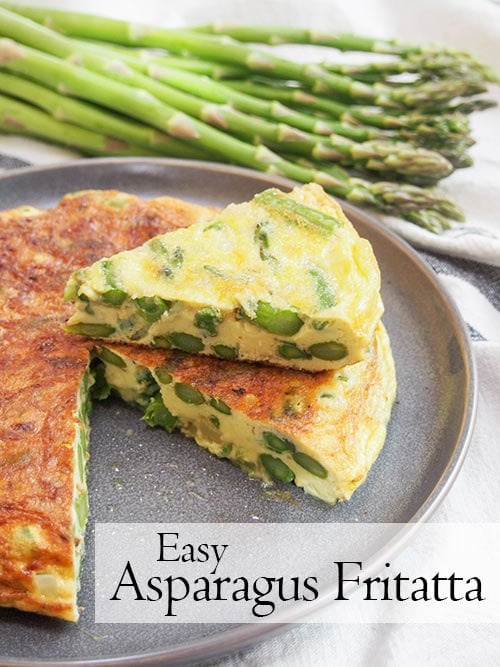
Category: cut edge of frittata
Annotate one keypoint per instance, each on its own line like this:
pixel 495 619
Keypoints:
pixel 39 565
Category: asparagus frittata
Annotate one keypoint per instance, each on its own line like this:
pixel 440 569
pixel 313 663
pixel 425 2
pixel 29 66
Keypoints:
pixel 321 430
pixel 283 279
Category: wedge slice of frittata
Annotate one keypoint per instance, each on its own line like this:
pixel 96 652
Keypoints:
pixel 322 431
pixel 283 279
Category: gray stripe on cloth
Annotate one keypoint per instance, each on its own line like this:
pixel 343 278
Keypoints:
pixel 9 162
pixel 483 276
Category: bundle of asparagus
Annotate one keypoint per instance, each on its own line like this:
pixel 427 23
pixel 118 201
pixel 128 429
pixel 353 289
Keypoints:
pixel 108 87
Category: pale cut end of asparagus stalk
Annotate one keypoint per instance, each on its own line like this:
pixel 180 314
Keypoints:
pixel 10 50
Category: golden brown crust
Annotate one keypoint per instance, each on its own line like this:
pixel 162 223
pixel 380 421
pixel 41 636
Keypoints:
pixel 39 250
pixel 41 369
pixel 256 389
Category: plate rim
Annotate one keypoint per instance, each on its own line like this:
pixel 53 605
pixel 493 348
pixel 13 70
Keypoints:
pixel 245 635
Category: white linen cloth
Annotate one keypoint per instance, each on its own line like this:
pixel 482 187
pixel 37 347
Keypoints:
pixel 475 497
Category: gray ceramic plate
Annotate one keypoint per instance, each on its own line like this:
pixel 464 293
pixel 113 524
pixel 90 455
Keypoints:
pixel 144 475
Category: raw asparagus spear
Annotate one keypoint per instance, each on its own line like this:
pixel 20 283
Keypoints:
pixel 420 165
pixel 78 113
pixel 97 88
pixel 221 50
pixel 351 42
pixel 69 78
pixel 19 118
